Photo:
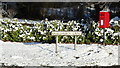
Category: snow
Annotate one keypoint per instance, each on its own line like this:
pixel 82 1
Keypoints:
pixel 20 20
pixel 114 19
pixel 37 54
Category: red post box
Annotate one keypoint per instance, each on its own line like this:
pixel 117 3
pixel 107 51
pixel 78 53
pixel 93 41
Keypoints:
pixel 104 19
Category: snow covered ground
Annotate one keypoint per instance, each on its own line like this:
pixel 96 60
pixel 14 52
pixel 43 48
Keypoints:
pixel 37 54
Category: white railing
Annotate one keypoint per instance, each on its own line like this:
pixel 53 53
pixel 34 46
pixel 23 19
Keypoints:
pixel 64 33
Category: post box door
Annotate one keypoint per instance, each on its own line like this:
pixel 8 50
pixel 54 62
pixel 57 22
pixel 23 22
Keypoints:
pixel 104 20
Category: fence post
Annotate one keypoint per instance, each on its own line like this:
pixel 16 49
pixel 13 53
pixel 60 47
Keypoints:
pixel 75 43
pixel 56 44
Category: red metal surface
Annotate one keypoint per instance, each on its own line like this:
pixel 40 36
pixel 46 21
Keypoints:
pixel 104 19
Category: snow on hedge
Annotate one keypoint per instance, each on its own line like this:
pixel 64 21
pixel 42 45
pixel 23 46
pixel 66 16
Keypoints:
pixel 19 30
